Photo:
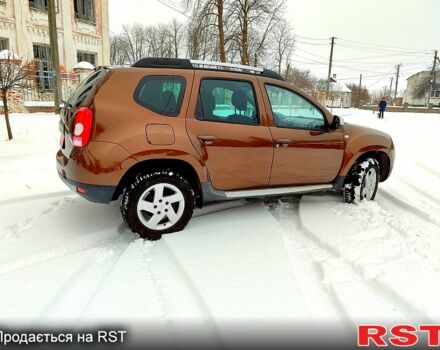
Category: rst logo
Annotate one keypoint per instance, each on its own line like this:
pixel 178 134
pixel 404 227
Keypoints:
pixel 403 335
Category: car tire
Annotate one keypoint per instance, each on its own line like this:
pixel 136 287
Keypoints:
pixel 157 203
pixel 362 181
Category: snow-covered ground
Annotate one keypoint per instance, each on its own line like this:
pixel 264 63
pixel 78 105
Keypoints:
pixel 282 263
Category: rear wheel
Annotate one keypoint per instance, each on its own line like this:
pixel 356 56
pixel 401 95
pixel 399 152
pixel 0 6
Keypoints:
pixel 362 181
pixel 157 203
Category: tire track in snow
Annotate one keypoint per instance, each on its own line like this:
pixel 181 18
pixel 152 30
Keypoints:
pixel 407 207
pixel 15 229
pixel 377 286
pixel 148 257
pixel 426 168
pixel 85 283
pixel 187 287
pixel 79 245
pixel 197 296
pixel 433 199
pixel 320 298
pixel 372 290
pixel 20 200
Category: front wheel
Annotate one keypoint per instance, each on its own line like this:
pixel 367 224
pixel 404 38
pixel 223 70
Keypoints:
pixel 157 203
pixel 362 181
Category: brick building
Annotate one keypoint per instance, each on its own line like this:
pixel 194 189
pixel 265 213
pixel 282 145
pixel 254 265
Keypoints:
pixel 83 35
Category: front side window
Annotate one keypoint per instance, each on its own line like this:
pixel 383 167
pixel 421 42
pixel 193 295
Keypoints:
pixel 229 101
pixel 161 94
pixel 43 65
pixel 85 10
pixel 291 110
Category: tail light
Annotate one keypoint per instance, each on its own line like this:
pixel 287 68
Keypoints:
pixel 82 127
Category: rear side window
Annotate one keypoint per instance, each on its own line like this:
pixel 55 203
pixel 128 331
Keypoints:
pixel 161 94
pixel 227 101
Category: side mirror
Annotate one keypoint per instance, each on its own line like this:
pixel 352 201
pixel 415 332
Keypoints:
pixel 337 122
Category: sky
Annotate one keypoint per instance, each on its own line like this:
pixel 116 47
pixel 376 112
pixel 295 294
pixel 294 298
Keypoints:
pixel 372 36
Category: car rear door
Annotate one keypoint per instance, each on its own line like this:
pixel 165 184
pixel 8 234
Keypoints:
pixel 227 125
pixel 306 151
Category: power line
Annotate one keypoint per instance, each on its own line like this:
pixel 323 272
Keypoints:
pixel 383 51
pixel 384 46
pixel 365 45
pixel 313 44
pixel 165 3
pixel 310 38
pixel 381 63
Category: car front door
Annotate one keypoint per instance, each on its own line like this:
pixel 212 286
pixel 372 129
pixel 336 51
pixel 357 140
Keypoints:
pixel 306 150
pixel 227 126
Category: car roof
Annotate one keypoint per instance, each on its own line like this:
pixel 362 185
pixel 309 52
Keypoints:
pixel 178 63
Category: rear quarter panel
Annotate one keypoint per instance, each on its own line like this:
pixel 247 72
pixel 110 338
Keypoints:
pixel 119 119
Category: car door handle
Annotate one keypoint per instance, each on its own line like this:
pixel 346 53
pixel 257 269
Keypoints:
pixel 283 142
pixel 207 140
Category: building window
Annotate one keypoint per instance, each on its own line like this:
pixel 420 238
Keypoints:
pixel 435 93
pixel 85 10
pixel 38 4
pixel 90 57
pixel 43 69
pixel 4 44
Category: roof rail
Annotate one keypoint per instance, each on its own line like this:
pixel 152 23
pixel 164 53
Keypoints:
pixel 155 62
pixel 178 63
pixel 229 66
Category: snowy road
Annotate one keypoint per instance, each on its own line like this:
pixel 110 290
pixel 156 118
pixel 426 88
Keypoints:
pixel 64 261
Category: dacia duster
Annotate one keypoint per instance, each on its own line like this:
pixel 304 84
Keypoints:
pixel 168 135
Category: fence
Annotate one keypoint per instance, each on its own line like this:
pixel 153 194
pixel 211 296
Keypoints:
pixel 40 87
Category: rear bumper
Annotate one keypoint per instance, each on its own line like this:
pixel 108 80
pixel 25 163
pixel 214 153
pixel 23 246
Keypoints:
pixel 93 193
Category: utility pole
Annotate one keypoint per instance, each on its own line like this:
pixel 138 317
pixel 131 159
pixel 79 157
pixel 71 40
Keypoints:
pixel 391 88
pixel 329 68
pixel 359 91
pixel 397 81
pixel 53 35
pixel 432 82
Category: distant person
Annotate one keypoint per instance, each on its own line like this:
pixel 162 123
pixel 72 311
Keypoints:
pixel 382 107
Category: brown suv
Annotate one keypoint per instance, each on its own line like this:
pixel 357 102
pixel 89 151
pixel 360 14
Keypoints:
pixel 171 134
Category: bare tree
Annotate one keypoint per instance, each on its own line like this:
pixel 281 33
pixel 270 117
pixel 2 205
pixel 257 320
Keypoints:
pixel 320 85
pixel 13 77
pixel 137 41
pixel 303 79
pixel 213 14
pixel 359 94
pixel 135 38
pixel 284 42
pixel 260 35
pixel 177 35
pixel 200 38
pixel 118 53
pixel 254 21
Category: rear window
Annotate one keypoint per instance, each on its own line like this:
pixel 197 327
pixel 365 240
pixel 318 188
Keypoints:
pixel 87 85
pixel 161 94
